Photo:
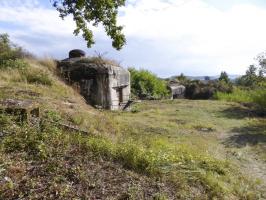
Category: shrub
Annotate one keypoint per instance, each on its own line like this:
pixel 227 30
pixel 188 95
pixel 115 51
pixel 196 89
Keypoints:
pixel 238 95
pixel 199 90
pixel 259 97
pixel 13 64
pixel 10 51
pixel 146 85
pixel 11 56
pixel 244 95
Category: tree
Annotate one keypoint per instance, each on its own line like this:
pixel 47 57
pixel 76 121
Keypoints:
pixel 207 78
pixel 251 71
pixel 93 12
pixel 181 78
pixel 261 58
pixel 224 77
pixel 250 79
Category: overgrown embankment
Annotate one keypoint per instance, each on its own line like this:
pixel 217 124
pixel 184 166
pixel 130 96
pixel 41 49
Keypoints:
pixel 49 161
pixel 157 151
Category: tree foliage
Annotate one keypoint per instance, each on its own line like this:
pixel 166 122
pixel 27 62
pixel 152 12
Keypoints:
pixel 93 12
pixel 8 51
pixel 251 78
pixel 147 85
pixel 261 58
pixel 224 77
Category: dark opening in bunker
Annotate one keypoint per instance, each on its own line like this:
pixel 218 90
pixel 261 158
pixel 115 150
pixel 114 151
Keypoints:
pixel 86 79
pixel 120 95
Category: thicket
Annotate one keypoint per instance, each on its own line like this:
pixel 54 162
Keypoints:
pixel 146 85
pixel 207 89
pixel 199 90
pixel 249 88
pixel 11 55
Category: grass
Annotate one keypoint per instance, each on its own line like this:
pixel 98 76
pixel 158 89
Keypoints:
pixel 256 96
pixel 197 129
pixel 162 149
pixel 179 164
pixel 238 95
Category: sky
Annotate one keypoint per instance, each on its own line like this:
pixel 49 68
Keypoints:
pixel 167 37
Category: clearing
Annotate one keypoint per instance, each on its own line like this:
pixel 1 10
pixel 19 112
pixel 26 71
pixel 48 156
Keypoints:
pixel 227 131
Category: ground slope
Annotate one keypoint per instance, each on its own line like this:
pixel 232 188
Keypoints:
pixel 161 150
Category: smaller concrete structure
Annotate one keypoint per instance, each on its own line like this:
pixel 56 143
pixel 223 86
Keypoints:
pixel 177 90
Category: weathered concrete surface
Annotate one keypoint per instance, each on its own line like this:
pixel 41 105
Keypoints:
pixel 27 110
pixel 177 91
pixel 103 85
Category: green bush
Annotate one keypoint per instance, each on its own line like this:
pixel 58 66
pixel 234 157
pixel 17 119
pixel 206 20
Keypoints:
pixel 238 95
pixel 259 97
pixel 199 90
pixel 13 64
pixel 11 56
pixel 256 96
pixel 146 85
pixel 10 51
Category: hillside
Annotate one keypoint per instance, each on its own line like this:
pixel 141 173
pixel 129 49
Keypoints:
pixel 160 150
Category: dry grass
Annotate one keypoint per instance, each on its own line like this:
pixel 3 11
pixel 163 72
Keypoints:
pixel 177 152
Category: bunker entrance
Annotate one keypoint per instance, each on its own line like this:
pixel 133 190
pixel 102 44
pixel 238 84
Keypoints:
pixel 120 95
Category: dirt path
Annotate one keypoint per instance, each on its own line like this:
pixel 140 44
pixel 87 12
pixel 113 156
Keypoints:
pixel 247 159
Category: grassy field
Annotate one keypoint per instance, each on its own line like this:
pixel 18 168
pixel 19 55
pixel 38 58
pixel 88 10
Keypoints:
pixel 168 149
pixel 225 135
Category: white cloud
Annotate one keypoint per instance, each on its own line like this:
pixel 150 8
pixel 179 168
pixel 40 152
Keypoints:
pixel 165 36
pixel 224 40
pixel 34 18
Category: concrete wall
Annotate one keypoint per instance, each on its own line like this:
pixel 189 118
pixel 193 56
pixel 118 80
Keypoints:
pixel 102 85
pixel 119 86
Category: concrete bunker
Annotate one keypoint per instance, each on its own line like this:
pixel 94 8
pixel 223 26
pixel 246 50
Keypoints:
pixel 177 90
pixel 103 85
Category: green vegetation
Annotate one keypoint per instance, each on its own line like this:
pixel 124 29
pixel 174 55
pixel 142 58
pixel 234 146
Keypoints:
pixel 146 85
pixel 250 79
pixel 188 138
pixel 250 88
pixel 93 12
pixel 163 149
pixel 196 89
pixel 199 90
pixel 257 96
pixel 175 152
pixel 224 77
pixel 183 158
pixel 11 56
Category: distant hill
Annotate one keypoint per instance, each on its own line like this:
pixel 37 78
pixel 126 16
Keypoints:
pixel 231 77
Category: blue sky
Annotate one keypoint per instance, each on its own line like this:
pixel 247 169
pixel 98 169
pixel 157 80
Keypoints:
pixel 168 37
